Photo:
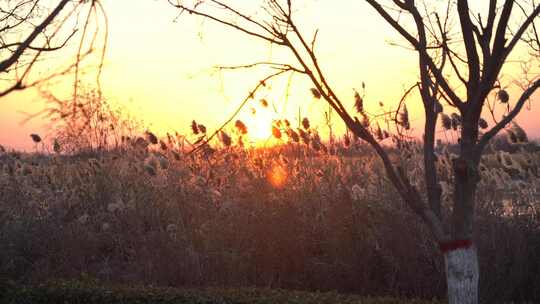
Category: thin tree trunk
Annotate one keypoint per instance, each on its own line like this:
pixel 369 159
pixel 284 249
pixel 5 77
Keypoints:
pixel 462 274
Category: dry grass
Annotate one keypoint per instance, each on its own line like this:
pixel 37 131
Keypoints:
pixel 286 217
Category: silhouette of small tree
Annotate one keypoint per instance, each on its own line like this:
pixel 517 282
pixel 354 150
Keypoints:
pixel 474 56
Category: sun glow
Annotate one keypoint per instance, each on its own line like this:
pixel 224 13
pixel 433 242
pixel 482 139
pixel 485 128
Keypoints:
pixel 259 125
pixel 277 176
pixel 260 131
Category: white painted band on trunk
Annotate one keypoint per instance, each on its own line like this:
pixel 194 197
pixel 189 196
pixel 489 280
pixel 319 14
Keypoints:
pixel 462 275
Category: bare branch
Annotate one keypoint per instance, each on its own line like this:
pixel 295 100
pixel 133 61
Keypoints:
pixel 420 47
pixel 524 26
pixel 42 48
pixel 508 118
pixel 250 96
pixel 467 30
pixel 5 64
pixel 20 85
pixel 194 11
pixel 274 65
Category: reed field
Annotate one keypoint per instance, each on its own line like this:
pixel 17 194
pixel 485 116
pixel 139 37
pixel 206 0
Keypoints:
pixel 121 207
pixel 110 202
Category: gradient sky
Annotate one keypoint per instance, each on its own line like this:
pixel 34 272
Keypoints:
pixel 161 70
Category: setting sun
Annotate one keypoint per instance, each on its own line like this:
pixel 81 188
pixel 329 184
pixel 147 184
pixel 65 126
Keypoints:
pixel 259 123
pixel 260 130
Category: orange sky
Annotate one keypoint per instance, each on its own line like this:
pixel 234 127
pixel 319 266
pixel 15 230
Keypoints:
pixel 161 69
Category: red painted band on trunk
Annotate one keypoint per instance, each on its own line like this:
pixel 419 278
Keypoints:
pixel 446 247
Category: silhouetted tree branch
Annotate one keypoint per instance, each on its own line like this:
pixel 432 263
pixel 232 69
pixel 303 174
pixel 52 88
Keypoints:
pixel 484 140
pixel 29 29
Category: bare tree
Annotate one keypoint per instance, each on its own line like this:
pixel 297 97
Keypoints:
pixel 474 53
pixel 29 29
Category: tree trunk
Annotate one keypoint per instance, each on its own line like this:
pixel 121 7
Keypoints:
pixel 462 275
